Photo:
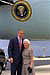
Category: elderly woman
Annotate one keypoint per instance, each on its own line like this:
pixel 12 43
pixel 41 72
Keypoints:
pixel 27 68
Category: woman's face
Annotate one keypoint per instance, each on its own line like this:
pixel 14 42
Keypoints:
pixel 26 45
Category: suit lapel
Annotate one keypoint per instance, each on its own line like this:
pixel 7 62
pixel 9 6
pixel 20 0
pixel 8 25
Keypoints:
pixel 17 42
pixel 22 47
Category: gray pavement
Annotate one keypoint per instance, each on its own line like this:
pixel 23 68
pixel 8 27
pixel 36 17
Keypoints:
pixel 36 73
pixel 39 70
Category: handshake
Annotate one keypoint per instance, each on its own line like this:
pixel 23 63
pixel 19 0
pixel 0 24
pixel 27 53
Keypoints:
pixel 29 69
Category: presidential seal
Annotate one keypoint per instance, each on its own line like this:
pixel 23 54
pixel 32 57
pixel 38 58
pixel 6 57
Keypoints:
pixel 21 11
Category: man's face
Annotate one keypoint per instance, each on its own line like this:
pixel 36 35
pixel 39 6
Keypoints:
pixel 21 33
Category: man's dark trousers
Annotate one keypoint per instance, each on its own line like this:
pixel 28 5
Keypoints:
pixel 16 54
pixel 14 69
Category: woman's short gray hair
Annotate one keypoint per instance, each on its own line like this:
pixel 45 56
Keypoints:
pixel 26 40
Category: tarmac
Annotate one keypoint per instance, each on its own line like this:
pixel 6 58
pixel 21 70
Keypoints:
pixel 39 70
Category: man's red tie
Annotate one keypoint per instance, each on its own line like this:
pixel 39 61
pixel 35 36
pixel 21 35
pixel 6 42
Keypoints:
pixel 20 43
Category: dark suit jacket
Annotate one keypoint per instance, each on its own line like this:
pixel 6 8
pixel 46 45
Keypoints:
pixel 14 50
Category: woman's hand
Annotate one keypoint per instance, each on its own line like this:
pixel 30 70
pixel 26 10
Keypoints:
pixel 30 65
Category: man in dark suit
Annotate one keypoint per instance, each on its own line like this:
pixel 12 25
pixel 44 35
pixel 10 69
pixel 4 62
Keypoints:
pixel 15 50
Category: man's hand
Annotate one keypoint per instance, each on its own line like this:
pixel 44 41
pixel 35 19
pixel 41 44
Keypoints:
pixel 10 60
